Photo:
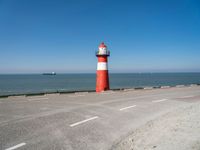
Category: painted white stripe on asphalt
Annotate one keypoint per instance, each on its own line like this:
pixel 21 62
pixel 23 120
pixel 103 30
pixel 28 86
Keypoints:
pixel 77 123
pixel 189 96
pixel 35 99
pixel 127 107
pixel 102 66
pixel 157 101
pixel 16 146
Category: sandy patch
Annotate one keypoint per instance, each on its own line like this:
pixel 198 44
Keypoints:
pixel 177 130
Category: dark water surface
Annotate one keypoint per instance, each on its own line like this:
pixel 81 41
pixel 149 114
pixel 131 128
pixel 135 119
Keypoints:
pixel 22 84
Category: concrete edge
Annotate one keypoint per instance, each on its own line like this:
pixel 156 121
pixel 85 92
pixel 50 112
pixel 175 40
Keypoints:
pixel 92 91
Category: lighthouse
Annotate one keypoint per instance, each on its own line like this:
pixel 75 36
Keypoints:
pixel 102 78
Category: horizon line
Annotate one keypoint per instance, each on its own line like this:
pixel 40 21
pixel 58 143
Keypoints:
pixel 95 73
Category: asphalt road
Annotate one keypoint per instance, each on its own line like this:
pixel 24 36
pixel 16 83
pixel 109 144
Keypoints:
pixel 86 121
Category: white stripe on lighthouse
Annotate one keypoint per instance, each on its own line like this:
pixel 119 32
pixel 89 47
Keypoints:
pixel 102 66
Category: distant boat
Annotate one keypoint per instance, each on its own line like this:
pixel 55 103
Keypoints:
pixel 51 73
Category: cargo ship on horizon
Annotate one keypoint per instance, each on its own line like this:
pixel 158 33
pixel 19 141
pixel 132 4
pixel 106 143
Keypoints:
pixel 51 73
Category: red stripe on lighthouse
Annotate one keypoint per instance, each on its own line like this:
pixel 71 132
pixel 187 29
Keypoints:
pixel 102 81
pixel 102 59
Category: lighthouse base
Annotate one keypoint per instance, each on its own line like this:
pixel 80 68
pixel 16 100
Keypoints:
pixel 102 81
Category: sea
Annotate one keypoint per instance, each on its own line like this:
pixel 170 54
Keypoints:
pixel 38 83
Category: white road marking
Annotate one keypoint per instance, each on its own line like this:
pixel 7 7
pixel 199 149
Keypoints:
pixel 189 96
pixel 16 146
pixel 127 107
pixel 35 99
pixel 157 101
pixel 80 122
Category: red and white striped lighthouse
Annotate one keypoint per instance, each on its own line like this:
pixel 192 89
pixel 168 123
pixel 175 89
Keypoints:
pixel 102 79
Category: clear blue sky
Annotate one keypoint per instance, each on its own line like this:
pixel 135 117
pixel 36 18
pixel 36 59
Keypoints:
pixel 62 35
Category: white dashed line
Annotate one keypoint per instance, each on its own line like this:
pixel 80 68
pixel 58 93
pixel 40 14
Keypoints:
pixel 16 146
pixel 35 99
pixel 157 101
pixel 189 96
pixel 127 107
pixel 77 123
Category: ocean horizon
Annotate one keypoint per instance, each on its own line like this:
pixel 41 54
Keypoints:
pixel 11 84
